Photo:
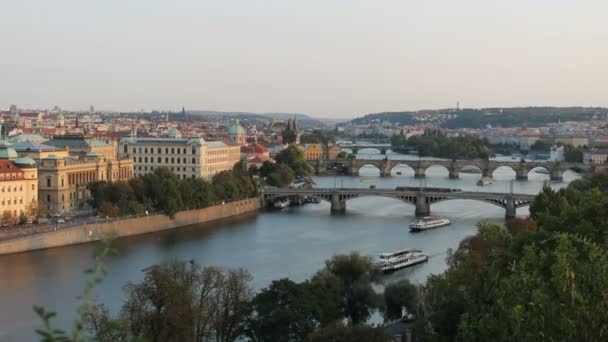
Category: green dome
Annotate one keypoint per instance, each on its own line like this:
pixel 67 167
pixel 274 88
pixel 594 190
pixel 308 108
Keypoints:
pixel 25 162
pixel 236 129
pixel 53 157
pixel 173 132
pixel 60 116
pixel 8 153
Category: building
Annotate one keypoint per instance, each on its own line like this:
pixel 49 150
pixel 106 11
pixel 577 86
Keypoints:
pixel 595 157
pixel 236 134
pixel 18 186
pixel 333 150
pixel 313 151
pixel 255 154
pixel 62 181
pixel 38 151
pixel 556 153
pixel 186 157
pixel 78 146
pixel 574 140
pixel 291 134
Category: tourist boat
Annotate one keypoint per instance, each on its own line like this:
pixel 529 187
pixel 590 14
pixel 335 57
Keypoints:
pixel 367 180
pixel 485 181
pixel 389 262
pixel 542 171
pixel 310 199
pixel 282 204
pixel 399 173
pixel 429 222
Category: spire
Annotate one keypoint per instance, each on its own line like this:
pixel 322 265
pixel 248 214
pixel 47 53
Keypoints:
pixel 295 123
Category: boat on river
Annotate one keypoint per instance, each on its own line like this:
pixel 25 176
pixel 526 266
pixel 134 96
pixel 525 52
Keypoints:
pixel 311 199
pixel 389 262
pixel 282 204
pixel 485 181
pixel 429 222
pixel 367 180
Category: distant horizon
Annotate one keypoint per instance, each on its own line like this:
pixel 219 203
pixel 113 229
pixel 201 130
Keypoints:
pixel 328 59
pixel 6 107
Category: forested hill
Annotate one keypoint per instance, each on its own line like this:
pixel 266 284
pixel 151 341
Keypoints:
pixel 497 117
pixel 392 117
pixel 531 116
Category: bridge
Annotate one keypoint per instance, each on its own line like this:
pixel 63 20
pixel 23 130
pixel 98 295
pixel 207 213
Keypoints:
pixel 421 198
pixel 355 147
pixel 486 167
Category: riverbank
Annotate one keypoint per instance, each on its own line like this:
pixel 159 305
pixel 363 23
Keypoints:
pixel 125 227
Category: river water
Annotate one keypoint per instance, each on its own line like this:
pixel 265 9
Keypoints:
pixel 292 243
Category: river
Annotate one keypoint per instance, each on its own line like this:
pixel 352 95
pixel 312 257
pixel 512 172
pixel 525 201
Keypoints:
pixel 292 243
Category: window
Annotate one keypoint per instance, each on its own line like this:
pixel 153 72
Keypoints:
pixel 193 160
pixel 61 181
pixel 139 150
pixel 134 159
pixel 167 160
pixel 133 150
pixel 166 150
pixel 140 159
pixel 172 160
pixel 33 187
pixel 172 150
pixel 178 160
pixel 125 148
pixel 48 182
pixel 145 159
pixel 184 150
pixel 159 159
pixel 194 150
pixel 178 151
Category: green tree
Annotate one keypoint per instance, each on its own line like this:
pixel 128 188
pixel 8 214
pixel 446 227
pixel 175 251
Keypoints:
pixel 398 297
pixel 283 312
pixel 281 176
pixel 350 279
pixel 294 158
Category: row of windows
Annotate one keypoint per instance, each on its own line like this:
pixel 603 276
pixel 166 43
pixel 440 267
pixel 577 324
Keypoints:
pixel 8 201
pixel 9 176
pixel 160 160
pixel 8 188
pixel 145 168
pixel 159 150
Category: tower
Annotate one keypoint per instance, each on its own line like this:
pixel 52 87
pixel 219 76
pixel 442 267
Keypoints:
pixel 237 134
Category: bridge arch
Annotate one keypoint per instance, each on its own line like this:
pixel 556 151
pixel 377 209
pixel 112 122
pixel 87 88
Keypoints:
pixel 369 150
pixel 504 171
pixel 467 168
pixel 403 168
pixel 437 170
pixel 370 169
pixel 545 172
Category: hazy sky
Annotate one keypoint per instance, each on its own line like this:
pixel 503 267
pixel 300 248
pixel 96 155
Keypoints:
pixel 328 58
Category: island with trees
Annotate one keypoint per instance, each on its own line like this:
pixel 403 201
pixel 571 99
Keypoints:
pixel 434 143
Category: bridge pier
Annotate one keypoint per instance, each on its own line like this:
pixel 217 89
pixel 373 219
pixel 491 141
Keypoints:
pixel 419 172
pixel 557 175
pixel 337 205
pixel 510 209
pixel 521 174
pixel 454 174
pixel 422 207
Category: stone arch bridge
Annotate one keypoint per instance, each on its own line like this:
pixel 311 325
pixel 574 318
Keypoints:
pixel 421 199
pixel 487 167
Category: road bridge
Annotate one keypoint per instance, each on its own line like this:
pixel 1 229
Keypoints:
pixel 355 147
pixel 486 167
pixel 421 199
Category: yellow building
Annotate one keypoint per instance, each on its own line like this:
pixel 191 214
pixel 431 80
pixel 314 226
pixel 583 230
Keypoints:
pixel 63 181
pixel 18 186
pixel 313 151
pixel 186 157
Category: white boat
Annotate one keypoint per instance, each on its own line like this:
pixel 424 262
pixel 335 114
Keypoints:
pixel 485 181
pixel 429 222
pixel 389 262
pixel 282 204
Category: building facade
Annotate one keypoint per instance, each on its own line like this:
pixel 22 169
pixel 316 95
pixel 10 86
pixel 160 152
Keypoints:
pixel 595 157
pixel 186 157
pixel 18 188
pixel 62 181
pixel 313 151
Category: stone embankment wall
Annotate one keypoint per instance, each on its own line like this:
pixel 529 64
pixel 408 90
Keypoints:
pixel 125 227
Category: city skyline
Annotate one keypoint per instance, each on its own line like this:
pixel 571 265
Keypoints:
pixel 335 59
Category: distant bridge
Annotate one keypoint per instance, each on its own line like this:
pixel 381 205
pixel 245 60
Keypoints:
pixel 421 199
pixel 355 147
pixel 487 167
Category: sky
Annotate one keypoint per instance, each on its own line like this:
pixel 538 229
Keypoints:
pixel 326 58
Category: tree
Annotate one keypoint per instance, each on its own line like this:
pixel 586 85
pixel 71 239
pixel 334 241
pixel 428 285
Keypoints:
pixel 281 176
pixel 295 159
pixel 7 217
pixel 398 297
pixel 283 312
pixel 180 301
pixel 350 278
pixel 338 332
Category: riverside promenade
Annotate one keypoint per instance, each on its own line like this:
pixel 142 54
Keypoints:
pixel 50 236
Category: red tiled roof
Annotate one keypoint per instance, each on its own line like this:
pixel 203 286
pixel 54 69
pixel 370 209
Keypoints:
pixel 255 148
